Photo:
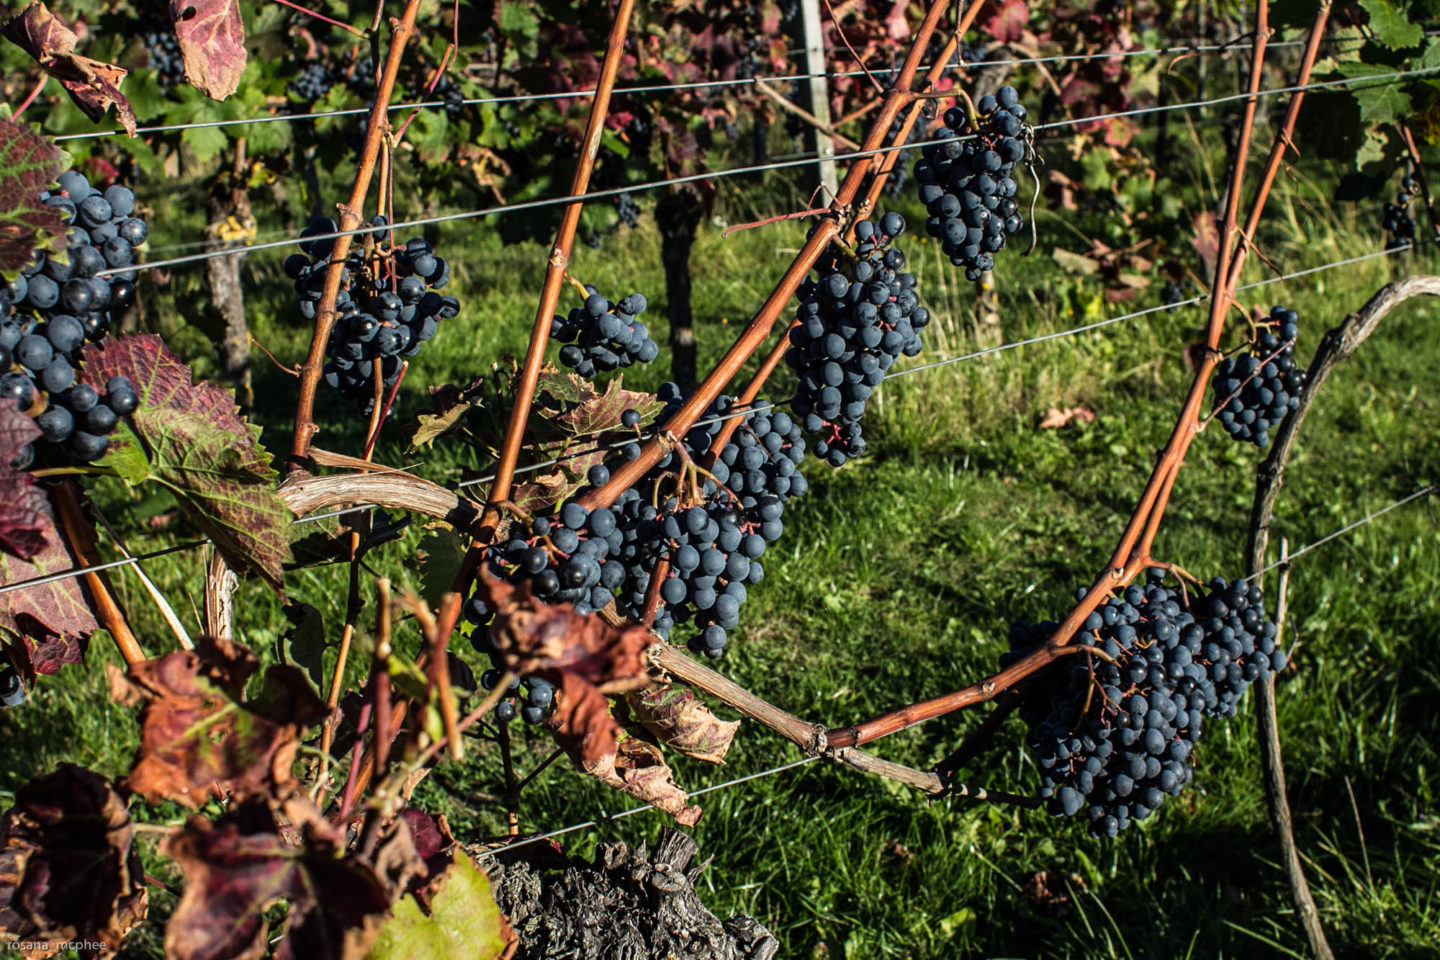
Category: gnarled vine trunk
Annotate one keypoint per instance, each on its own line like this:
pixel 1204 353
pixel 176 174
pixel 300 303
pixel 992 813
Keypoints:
pixel 230 221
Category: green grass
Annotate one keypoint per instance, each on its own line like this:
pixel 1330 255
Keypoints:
pixel 897 580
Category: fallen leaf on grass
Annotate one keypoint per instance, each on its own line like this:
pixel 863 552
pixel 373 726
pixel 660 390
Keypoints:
pixel 1055 417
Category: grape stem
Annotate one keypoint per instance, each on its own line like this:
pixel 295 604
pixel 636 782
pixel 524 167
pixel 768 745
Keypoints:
pixel 80 537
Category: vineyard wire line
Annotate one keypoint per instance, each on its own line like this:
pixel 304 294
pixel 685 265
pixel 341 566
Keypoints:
pixel 606 818
pixel 746 411
pixel 660 88
pixel 1422 492
pixel 734 171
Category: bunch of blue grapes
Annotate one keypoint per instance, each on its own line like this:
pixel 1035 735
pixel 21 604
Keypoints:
pixel 56 304
pixel 162 48
pixel 627 209
pixel 1114 731
pixel 856 318
pixel 314 82
pixel 603 335
pixel 1254 392
pixel 968 185
pixel 1398 223
pixel 710 526
pixel 388 306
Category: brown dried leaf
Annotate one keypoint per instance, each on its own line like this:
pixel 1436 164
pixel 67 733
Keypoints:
pixel 598 746
pixel 236 867
pixel 1056 418
pixel 197 738
pixel 673 714
pixel 69 871
pixel 212 41
pixel 54 616
pixel 535 637
pixel 1207 238
pixel 92 84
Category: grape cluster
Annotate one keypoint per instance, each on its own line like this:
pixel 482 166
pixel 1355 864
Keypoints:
pixel 534 702
pixel 710 525
pixel 388 305
pixel 602 335
pixel 968 186
pixel 313 83
pixel 1173 292
pixel 53 306
pixel 1114 731
pixel 1399 224
pixel 628 210
pixel 1253 394
pixel 854 321
pixel 162 48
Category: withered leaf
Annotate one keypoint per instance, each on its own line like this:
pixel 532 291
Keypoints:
pixel 677 719
pixel 1056 418
pixel 198 738
pixel 212 41
pixel 92 84
pixel 239 865
pixel 69 871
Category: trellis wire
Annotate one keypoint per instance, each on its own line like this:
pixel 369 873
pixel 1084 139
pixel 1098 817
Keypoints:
pixel 738 171
pixel 1422 492
pixel 719 418
pixel 606 818
pixel 656 88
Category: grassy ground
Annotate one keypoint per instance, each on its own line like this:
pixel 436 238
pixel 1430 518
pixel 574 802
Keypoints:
pixel 897 580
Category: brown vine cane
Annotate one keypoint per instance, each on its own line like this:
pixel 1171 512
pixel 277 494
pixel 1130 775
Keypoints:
pixel 351 215
pixel 1131 554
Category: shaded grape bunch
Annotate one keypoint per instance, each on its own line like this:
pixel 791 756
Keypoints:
pixel 855 319
pixel 603 335
pixel 313 83
pixel 449 92
pixel 710 527
pixel 1114 731
pixel 1253 393
pixel 1173 293
pixel 1398 223
pixel 103 238
pixel 162 48
pixel 388 306
pixel 628 210
pixel 968 186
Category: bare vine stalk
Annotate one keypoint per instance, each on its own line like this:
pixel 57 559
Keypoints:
pixel 1338 344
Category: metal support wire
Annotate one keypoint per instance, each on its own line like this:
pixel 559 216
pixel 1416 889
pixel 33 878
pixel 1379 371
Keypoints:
pixel 660 88
pixel 740 171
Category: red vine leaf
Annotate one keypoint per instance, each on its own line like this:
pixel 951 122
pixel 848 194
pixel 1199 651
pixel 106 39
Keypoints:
pixel 197 738
pixel 69 872
pixel 1006 23
pixel 92 84
pixel 53 616
pixel 29 164
pixel 586 411
pixel 679 720
pixel 212 41
pixel 239 865
pixel 24 509
pixel 195 442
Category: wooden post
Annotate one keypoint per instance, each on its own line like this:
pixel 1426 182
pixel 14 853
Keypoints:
pixel 815 92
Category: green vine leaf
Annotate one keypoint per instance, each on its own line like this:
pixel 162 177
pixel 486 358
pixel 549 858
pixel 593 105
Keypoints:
pixel 195 442
pixel 29 164
pixel 464 921
pixel 1392 26
pixel 1380 102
